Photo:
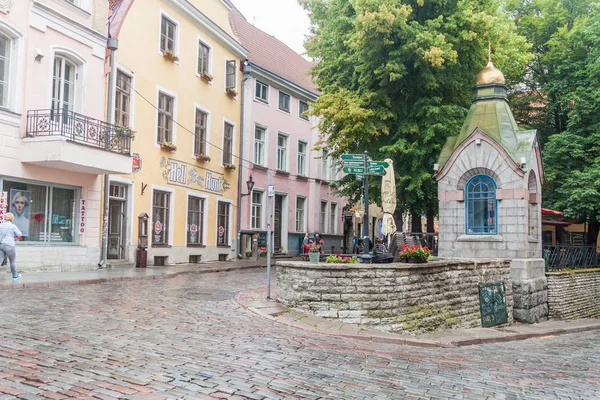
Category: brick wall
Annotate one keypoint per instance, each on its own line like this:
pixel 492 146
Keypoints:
pixel 401 298
pixel 574 294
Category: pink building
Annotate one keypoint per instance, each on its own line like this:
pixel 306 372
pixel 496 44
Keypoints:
pixel 54 143
pixel 279 138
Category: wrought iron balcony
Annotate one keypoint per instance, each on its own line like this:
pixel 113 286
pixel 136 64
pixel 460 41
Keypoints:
pixel 80 129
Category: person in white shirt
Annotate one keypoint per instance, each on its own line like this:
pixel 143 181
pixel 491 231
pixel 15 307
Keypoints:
pixel 8 233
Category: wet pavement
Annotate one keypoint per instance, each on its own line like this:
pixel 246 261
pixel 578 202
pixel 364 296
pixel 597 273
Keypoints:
pixel 188 337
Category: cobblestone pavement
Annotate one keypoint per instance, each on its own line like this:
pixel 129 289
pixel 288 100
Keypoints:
pixel 185 338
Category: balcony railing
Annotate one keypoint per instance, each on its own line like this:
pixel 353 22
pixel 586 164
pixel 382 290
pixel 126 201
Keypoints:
pixel 79 128
pixel 571 257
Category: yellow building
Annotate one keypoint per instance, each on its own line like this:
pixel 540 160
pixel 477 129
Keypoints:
pixel 176 82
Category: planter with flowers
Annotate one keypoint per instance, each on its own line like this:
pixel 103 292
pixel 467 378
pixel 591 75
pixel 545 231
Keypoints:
pixel 206 77
pixel 169 55
pixel 229 167
pixel 203 158
pixel 231 92
pixel 314 251
pixel 414 254
pixel 168 146
pixel 338 259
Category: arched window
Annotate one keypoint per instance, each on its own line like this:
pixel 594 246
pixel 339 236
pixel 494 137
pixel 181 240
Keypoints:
pixel 481 206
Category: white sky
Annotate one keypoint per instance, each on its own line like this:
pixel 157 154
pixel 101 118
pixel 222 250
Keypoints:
pixel 284 19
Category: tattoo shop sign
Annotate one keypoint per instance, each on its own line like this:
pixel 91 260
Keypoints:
pixel 180 173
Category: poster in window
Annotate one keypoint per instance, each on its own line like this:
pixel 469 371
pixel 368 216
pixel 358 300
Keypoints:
pixel 19 206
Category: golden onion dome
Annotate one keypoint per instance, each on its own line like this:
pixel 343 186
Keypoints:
pixel 489 74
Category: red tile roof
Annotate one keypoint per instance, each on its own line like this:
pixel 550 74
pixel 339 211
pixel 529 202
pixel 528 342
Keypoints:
pixel 270 53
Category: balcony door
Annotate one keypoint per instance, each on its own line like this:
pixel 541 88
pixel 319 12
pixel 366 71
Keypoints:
pixel 63 89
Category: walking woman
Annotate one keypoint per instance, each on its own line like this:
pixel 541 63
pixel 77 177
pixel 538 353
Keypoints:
pixel 8 233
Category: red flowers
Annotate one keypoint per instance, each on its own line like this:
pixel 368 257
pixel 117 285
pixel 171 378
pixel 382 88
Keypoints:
pixel 415 251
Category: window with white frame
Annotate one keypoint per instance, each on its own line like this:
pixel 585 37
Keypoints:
pixel 223 223
pixel 332 222
pixel 227 143
pixel 195 223
pixel 302 146
pixel 168 34
pixel 259 145
pixel 257 198
pixel 323 220
pixel 282 152
pixel 302 108
pixel 5 44
pixel 230 75
pixel 300 207
pixel 164 131
pixel 325 165
pixel 63 87
pixel 284 102
pixel 123 100
pixel 203 58
pixel 200 133
pixel 161 217
pixel 262 92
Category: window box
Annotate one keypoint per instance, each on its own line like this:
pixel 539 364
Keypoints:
pixel 168 146
pixel 203 158
pixel 169 55
pixel 206 77
pixel 231 92
pixel 229 167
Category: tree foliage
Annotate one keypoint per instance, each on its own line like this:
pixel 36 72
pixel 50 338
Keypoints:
pixel 396 78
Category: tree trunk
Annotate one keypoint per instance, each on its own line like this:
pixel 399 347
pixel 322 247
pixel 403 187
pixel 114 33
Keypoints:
pixel 416 223
pixel 398 220
pixel 430 220
pixel 592 233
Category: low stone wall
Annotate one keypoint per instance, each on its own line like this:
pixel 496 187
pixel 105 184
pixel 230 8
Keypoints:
pixel 400 298
pixel 574 294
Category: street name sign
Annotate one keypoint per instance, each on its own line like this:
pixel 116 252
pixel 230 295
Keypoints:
pixel 358 157
pixel 354 170
pixel 382 164
pixel 376 169
pixel 353 163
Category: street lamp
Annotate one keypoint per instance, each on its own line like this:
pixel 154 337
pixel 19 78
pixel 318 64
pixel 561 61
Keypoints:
pixel 249 185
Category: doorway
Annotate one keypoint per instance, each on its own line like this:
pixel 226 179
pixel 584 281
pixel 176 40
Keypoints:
pixel 116 222
pixel 277 223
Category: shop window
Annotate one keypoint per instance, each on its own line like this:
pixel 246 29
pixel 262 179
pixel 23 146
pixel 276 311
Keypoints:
pixel 43 213
pixel 223 224
pixel 195 231
pixel 160 219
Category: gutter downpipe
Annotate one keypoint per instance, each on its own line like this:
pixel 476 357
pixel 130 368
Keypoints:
pixel 112 44
pixel 246 76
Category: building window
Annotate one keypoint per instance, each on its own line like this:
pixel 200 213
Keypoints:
pixel 300 206
pixel 122 100
pixel 160 218
pixel 256 209
pixel 323 220
pixel 5 43
pixel 302 158
pixel 227 143
pixel 481 206
pixel 203 58
pixel 262 92
pixel 302 108
pixel 165 118
pixel 325 165
pixel 168 30
pixel 259 145
pixel 223 224
pixel 282 152
pixel 43 213
pixel 63 87
pixel 332 222
pixel 200 133
pixel 195 222
pixel 230 72
pixel 284 102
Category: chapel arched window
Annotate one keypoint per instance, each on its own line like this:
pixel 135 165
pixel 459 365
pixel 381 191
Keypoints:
pixel 481 206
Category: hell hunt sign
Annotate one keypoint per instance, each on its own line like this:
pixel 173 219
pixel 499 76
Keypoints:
pixel 182 174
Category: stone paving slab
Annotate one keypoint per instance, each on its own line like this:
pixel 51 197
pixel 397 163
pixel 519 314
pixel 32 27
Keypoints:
pixel 256 302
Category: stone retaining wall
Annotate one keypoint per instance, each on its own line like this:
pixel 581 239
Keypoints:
pixel 400 298
pixel 574 294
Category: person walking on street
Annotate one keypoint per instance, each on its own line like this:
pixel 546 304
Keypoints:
pixel 305 243
pixel 8 233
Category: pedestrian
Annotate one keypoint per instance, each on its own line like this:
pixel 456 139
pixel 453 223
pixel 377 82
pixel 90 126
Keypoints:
pixel 319 242
pixel 8 233
pixel 355 245
pixel 305 243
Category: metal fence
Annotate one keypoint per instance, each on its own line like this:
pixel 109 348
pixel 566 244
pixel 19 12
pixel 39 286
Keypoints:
pixel 571 257
pixel 80 129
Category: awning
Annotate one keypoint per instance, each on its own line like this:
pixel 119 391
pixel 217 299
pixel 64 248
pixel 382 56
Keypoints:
pixel 547 211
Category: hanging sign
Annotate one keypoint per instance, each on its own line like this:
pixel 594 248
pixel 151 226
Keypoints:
pixel 180 173
pixel 136 163
pixel 3 205
pixel 82 215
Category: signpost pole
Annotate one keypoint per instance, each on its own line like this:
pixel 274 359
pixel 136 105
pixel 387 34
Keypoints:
pixel 268 235
pixel 366 256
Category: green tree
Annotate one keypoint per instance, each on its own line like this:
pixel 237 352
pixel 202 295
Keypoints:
pixel 396 78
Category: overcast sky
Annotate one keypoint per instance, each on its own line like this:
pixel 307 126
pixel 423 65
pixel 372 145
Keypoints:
pixel 284 19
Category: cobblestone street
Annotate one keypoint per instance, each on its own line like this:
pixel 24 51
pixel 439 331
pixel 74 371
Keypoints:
pixel 186 338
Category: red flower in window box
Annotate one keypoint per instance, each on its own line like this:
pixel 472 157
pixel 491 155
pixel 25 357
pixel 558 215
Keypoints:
pixel 168 146
pixel 169 55
pixel 229 167
pixel 206 77
pixel 203 158
pixel 231 92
